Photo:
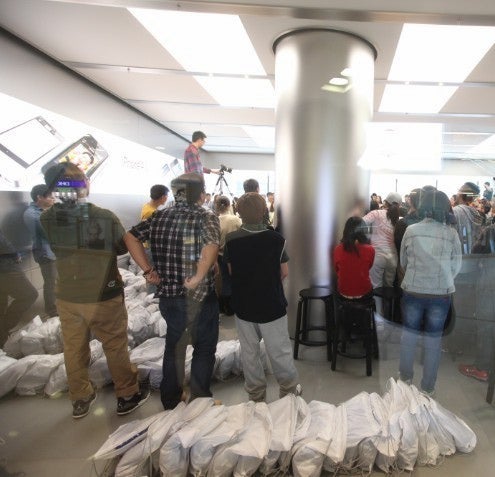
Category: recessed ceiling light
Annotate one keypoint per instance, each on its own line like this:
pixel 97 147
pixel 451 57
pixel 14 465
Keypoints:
pixel 203 42
pixel 214 44
pixel 433 53
pixel 240 92
pixel 337 81
pixel 415 98
pixel 403 147
pixel 436 53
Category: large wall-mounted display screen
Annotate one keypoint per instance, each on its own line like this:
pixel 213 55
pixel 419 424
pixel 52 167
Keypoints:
pixel 33 139
pixel 29 141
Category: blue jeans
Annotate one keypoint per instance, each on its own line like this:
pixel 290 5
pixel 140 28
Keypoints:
pixel 434 310
pixel 49 272
pixel 226 278
pixel 187 320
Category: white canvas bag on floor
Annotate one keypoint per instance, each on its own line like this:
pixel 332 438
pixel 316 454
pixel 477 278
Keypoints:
pixel 34 380
pixel 283 413
pixel 336 449
pixel 11 374
pixel 428 450
pixel 13 344
pixel 126 436
pixel 138 458
pixel 225 359
pixel 388 442
pixel 361 423
pixel 174 454
pixel 407 454
pixel 150 350
pixel 194 410
pixel 202 452
pixel 309 454
pixel 463 435
pixel 255 442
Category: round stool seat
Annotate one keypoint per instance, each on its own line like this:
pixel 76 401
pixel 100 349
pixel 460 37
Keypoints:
pixel 315 293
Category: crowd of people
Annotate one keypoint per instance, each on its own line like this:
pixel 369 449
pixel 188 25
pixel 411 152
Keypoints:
pixel 418 247
pixel 203 255
pixel 179 247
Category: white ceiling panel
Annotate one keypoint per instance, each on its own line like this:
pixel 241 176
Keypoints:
pixel 472 100
pixel 167 87
pixel 84 33
pixel 207 115
pixel 102 41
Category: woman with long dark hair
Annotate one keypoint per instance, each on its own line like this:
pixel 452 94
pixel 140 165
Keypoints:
pixel 352 259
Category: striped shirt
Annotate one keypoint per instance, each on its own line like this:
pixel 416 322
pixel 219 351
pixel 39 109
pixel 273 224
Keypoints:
pixel 382 230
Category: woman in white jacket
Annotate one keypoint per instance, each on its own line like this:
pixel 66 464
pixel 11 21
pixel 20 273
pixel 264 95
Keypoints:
pixel 431 257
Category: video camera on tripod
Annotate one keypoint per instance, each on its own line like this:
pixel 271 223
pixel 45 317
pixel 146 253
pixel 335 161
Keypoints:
pixel 221 182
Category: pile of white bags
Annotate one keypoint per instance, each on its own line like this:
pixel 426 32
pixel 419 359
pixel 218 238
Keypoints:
pixel 46 373
pixel 32 360
pixel 44 337
pixel 394 432
pixel 37 337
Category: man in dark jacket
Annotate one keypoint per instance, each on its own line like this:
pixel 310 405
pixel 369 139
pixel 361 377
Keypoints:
pixel 258 264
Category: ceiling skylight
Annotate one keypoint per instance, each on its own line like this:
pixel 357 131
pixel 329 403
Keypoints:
pixel 415 98
pixel 433 53
pixel 239 92
pixel 216 45
pixel 403 147
pixel 203 42
pixel 264 136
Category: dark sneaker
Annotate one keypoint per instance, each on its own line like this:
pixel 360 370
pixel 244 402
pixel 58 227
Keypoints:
pixel 430 394
pixel 127 405
pixel 80 408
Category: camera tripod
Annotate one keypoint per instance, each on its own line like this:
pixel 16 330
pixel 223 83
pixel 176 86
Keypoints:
pixel 221 182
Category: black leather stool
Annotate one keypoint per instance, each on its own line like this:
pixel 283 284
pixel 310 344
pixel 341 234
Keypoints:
pixel 303 325
pixel 391 299
pixel 355 317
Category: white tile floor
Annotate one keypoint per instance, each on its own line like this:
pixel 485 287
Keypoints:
pixel 39 438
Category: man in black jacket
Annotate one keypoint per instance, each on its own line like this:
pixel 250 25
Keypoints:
pixel 258 264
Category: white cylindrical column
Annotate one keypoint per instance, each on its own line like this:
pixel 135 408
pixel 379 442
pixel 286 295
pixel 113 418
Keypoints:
pixel 320 136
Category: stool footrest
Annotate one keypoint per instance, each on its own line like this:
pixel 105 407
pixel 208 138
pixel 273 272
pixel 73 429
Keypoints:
pixel 312 343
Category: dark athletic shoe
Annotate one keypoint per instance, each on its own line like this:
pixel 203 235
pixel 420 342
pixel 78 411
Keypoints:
pixel 80 408
pixel 125 406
